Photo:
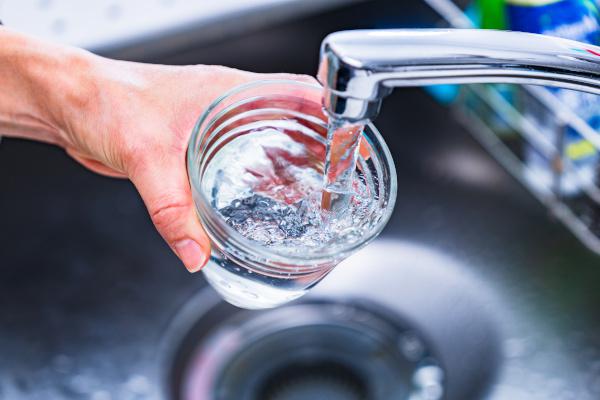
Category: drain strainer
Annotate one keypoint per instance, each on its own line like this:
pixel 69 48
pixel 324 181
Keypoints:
pixel 313 351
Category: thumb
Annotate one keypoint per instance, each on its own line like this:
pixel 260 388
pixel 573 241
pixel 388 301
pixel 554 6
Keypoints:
pixel 166 192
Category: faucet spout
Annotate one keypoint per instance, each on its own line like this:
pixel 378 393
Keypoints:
pixel 358 68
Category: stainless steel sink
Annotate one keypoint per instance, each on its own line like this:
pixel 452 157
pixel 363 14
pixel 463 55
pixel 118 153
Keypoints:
pixel 398 320
pixel 501 297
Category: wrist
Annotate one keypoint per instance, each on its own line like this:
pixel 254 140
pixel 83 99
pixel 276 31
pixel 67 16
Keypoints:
pixel 65 89
pixel 41 81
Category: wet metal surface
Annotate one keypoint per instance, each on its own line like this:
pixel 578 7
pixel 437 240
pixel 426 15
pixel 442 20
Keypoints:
pixel 87 287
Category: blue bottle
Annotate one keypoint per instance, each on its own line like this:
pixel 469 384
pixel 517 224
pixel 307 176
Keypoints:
pixel 569 19
pixel 576 20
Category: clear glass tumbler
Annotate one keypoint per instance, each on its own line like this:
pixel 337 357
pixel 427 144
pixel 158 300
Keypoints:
pixel 251 138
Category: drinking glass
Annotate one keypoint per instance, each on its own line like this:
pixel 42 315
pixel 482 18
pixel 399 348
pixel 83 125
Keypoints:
pixel 246 272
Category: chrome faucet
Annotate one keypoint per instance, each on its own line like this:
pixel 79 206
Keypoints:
pixel 358 68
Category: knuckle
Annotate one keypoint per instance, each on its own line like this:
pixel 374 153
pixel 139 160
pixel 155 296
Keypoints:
pixel 168 217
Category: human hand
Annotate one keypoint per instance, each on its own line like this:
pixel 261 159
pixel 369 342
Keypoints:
pixel 120 119
pixel 135 122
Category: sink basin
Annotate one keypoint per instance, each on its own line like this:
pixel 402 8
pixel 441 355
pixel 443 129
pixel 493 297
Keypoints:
pixel 453 309
pixel 502 298
pixel 397 320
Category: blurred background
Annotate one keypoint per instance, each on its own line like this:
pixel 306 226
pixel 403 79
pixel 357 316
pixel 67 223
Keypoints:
pixel 484 285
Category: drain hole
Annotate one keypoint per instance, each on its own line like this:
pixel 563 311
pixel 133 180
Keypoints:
pixel 321 380
pixel 319 351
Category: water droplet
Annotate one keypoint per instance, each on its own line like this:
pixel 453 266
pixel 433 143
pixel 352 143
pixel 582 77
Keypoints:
pixel 138 384
pixel 101 395
pixel 81 384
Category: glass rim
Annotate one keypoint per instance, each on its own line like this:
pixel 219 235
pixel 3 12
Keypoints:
pixel 256 250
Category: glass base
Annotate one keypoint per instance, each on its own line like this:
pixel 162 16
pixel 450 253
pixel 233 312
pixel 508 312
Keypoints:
pixel 244 292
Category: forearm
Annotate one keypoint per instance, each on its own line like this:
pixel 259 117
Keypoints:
pixel 40 84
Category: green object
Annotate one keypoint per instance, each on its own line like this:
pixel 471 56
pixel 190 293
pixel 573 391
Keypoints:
pixel 492 14
pixel 531 3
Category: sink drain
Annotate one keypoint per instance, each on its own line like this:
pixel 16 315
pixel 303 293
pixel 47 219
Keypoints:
pixel 317 380
pixel 317 351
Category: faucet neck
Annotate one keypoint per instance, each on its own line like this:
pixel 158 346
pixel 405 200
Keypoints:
pixel 359 68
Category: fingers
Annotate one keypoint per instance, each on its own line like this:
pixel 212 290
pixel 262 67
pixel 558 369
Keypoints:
pixel 165 190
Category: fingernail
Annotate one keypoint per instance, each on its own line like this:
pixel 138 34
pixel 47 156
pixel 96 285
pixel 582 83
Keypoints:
pixel 191 254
